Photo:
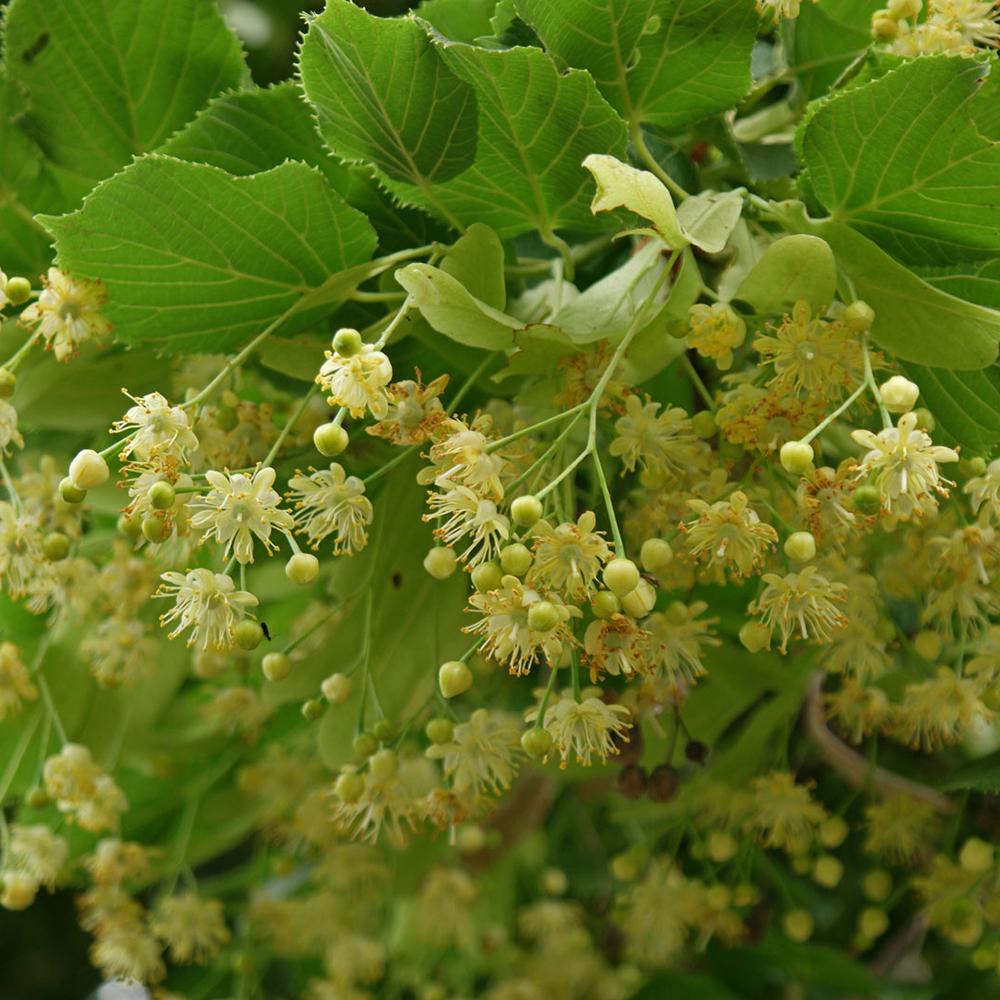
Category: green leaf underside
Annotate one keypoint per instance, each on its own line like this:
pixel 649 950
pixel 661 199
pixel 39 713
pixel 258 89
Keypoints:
pixel 664 62
pixel 109 79
pixel 383 95
pixel 792 268
pixel 182 250
pixel 912 158
pixel 459 20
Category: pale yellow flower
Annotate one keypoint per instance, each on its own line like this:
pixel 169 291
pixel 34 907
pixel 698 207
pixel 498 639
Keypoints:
pixel 728 534
pixel 358 382
pixel 207 603
pixel 329 502
pixel 67 313
pixel 805 602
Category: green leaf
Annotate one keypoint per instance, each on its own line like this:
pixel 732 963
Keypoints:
pixel 911 159
pixel 709 219
pixel 476 260
pixel 383 95
pixel 981 775
pixel 977 282
pixel 449 308
pixel 664 62
pixel 181 249
pixel 108 80
pixel 792 268
pixel 459 20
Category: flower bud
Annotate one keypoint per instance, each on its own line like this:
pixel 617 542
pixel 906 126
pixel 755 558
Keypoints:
pixel 454 678
pixel 625 867
pixel 621 576
pixel 722 846
pixel 543 616
pixel 866 499
pixel 8 381
pixel 470 838
pixel 337 688
pixel 755 636
pixel 516 559
pixel 347 342
pixel 349 786
pixel 383 764
pixel 536 743
pixel 526 511
pixel 833 832
pixel 884 28
pixel 130 526
pixel 302 569
pixel 859 316
pixel 161 495
pixel 71 493
pixel 655 555
pixel 605 604
pixel 976 856
pixel 440 730
pixel 276 666
pixel 800 546
pixel 37 798
pixel 55 546
pixel 88 470
pixel 797 457
pixel 19 890
pixel 17 290
pixel 312 709
pixel 384 730
pixel 898 394
pixel 903 8
pixel 876 885
pixel 487 576
pixel 925 420
pixel 798 925
pixel 330 439
pixel 927 645
pixel 640 601
pixel 155 529
pixel 440 562
pixel 873 922
pixel 828 871
pixel 364 745
pixel 975 466
pixel 703 424
pixel 248 634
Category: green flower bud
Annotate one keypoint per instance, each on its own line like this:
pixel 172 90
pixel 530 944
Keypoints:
pixel 454 678
pixel 487 576
pixel 337 688
pixel 312 709
pixel 703 424
pixel 798 925
pixel 8 382
pixel 302 569
pixel 526 511
pixel 330 439
pixel 383 764
pixel 55 546
pixel 828 871
pixel 927 644
pixel 347 342
pixel 440 562
pixel 640 601
pixel 161 495
pixel 129 526
pixel 898 394
pixel 755 636
pixel 37 798
pixel 276 666
pixel 976 856
pixel 605 604
pixel 925 420
pixel 800 546
pixel 797 457
pixel 349 786
pixel 440 730
pixel 625 867
pixel 364 745
pixel 543 616
pixel 226 418
pixel 867 500
pixel 536 743
pixel 974 466
pixel 384 730
pixel 621 577
pixel 88 470
pixel 71 493
pixel 722 846
pixel 873 922
pixel 155 529
pixel 470 838
pixel 247 634
pixel 516 559
pixel 17 290
pixel 833 832
pixel 859 316
pixel 655 555
pixel 876 885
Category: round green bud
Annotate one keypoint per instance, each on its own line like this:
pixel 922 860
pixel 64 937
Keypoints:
pixel 976 856
pixel 88 470
pixel 925 419
pixel 330 439
pixel 247 634
pixel 876 885
pixel 471 838
pixel 985 958
pixel 640 601
pixel 873 922
pixel 337 688
pixel 755 636
pixel 8 381
pixel 384 730
pixel 621 576
pixel 867 500
pixel 312 709
pixel 703 424
pixel 554 882
pixel 975 466
pixel 526 511
pixel 516 559
pixel 487 576
pixel 364 745
pixel 226 418
pixel 155 529
pixel 625 867
pixel 383 764
pixel 904 8
pixel 536 743
pixel 302 569
pixel 55 546
pixel 347 342
pixel 605 604
pixel 927 645
pixel 130 526
pixel 798 925
pixel 543 616
pixel 833 832
pixel 37 798
pixel 800 546
pixel 828 871
pixel 276 666
pixel 859 316
pixel 440 562
pixel 71 493
pixel 797 457
pixel 655 555
pixel 440 730
pixel 722 846
pixel 17 290
pixel 898 394
pixel 161 495
pixel 454 678
pixel 349 786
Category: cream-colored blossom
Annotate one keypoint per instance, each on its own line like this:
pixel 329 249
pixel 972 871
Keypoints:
pixel 67 313
pixel 358 382
pixel 728 534
pixel 191 926
pixel 662 441
pixel 16 686
pixel 329 502
pixel 464 516
pixel 207 603
pixel 156 428
pixel 584 729
pixel 482 757
pixel 569 556
pixel 805 602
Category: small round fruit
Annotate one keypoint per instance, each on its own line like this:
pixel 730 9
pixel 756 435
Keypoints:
pixel 641 601
pixel 927 645
pixel 330 439
pixel 8 381
pixel 337 688
pixel 605 604
pixel 722 846
pixel 867 499
pixel 526 511
pixel 161 495
pixel 800 546
pixel 439 730
pixel 543 616
pixel 798 925
pixel 349 786
pixel 833 832
pixel 656 555
pixel 703 424
pixel 632 781
pixel 755 636
pixel 454 678
pixel 364 745
pixel 976 856
pixel 383 764
pixel 312 709
pixel 873 922
pixel 55 546
pixel 302 569
pixel 797 457
pixel 859 316
pixel 347 342
pixel 696 751
pixel 487 576
pixel 248 634
pixel 71 493
pixel 276 666
pixel 828 871
pixel 876 885
pixel 88 470
pixel 536 743
pixel 663 783
pixel 17 290
pixel 621 576
pixel 384 730
pixel 899 394
pixel 441 562
pixel 155 529
pixel 130 526
pixel 516 559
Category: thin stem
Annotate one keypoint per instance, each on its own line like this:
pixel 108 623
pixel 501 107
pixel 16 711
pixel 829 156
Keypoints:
pixel 873 385
pixel 547 422
pixel 574 665
pixel 14 763
pixel 390 465
pixel 50 707
pixel 393 323
pixel 639 142
pixel 609 506
pixel 21 353
pixel 846 405
pixel 289 424
pixel 8 483
pixel 360 296
pixel 696 381
pixel 558 243
pixel 467 655
pixel 305 635
pixel 544 704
